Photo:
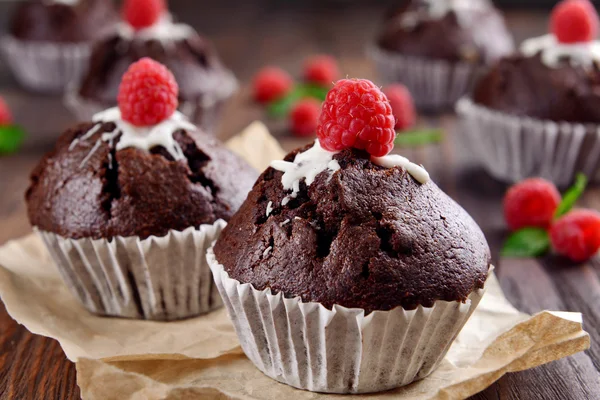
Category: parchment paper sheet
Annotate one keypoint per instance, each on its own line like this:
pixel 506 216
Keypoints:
pixel 201 357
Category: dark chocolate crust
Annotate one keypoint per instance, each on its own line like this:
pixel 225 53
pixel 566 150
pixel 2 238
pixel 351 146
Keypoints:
pixel 484 39
pixel 524 86
pixel 193 62
pixel 131 192
pixel 368 237
pixel 36 20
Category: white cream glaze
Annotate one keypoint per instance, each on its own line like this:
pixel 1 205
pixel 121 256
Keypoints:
pixel 144 138
pixel 164 31
pixel 438 9
pixel 582 54
pixel 269 208
pixel 395 160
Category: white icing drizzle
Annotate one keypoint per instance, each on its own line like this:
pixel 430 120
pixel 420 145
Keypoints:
pixel 269 208
pixel 395 160
pixel 438 9
pixel 287 221
pixel 552 52
pixel 307 166
pixel 267 251
pixel 164 31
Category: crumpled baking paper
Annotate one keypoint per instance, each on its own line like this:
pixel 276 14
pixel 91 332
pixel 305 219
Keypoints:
pixel 201 357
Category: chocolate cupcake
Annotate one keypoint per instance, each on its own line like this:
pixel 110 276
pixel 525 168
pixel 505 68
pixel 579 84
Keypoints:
pixel 128 211
pixel 49 42
pixel 349 257
pixel 535 113
pixel 436 48
pixel 204 83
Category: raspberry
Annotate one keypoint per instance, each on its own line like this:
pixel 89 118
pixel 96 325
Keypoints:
pixel 141 14
pixel 5 115
pixel 148 93
pixel 321 70
pixel 531 203
pixel 574 21
pixel 271 83
pixel 304 117
pixel 577 235
pixel 402 106
pixel 357 114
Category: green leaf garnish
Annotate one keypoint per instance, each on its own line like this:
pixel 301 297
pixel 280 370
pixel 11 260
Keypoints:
pixel 526 242
pixel 280 108
pixel 417 138
pixel 571 196
pixel 11 138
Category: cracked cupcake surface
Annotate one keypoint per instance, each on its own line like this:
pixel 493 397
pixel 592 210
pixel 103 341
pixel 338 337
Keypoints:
pixel 361 236
pixel 85 187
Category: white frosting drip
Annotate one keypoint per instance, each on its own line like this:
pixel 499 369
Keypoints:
pixel 394 160
pixel 287 221
pixel 582 54
pixel 164 31
pixel 307 166
pixel 438 9
pixel 269 208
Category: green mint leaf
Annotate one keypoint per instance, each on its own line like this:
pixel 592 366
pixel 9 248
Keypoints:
pixel 11 138
pixel 280 108
pixel 418 137
pixel 526 242
pixel 571 195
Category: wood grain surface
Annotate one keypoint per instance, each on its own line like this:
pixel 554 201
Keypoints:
pixel 248 36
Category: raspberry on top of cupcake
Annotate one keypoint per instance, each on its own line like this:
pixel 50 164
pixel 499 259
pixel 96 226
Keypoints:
pixel 555 76
pixel 453 30
pixel 139 169
pixel 343 222
pixel 148 30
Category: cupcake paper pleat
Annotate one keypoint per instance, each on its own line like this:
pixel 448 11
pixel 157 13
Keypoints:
pixel 307 346
pixel 158 278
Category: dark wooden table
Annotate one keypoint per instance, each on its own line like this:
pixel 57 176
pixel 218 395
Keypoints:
pixel 266 32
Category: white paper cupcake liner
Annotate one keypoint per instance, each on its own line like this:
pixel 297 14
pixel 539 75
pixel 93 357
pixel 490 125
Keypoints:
pixel 204 113
pixel 434 84
pixel 512 148
pixel 45 66
pixel 158 278
pixel 307 346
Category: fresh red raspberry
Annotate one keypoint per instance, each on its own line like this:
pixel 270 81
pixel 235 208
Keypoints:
pixel 321 70
pixel 574 21
pixel 148 93
pixel 271 83
pixel 402 106
pixel 141 14
pixel 5 115
pixel 531 203
pixel 577 235
pixel 304 116
pixel 357 114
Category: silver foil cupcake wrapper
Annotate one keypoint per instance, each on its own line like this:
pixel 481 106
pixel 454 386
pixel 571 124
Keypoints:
pixel 342 350
pixel 205 113
pixel 45 66
pixel 158 278
pixel 512 147
pixel 434 84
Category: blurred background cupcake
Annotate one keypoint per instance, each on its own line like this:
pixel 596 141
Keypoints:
pixel 128 203
pixel 49 41
pixel 436 48
pixel 537 112
pixel 148 30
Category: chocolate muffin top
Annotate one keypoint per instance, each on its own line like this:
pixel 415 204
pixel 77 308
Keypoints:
pixel 543 84
pixel 62 21
pixel 360 235
pixel 190 57
pixel 452 30
pixel 89 187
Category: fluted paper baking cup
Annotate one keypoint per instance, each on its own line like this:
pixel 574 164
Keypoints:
pixel 205 112
pixel 434 84
pixel 158 278
pixel 45 66
pixel 342 350
pixel 512 147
